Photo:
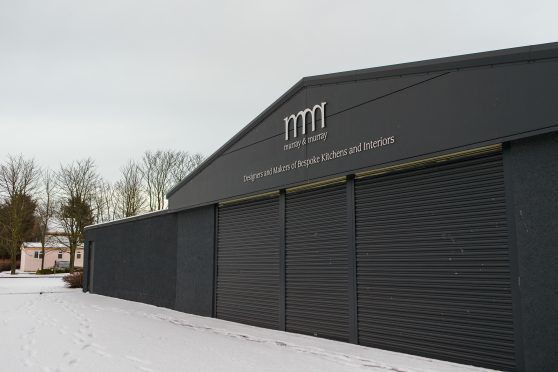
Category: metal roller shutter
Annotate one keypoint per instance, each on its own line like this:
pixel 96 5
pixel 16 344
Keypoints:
pixel 248 263
pixel 433 265
pixel 316 262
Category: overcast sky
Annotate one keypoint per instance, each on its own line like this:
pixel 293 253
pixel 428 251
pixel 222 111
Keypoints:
pixel 109 79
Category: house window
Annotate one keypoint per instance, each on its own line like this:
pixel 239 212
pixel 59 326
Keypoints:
pixel 59 255
pixel 78 256
pixel 38 254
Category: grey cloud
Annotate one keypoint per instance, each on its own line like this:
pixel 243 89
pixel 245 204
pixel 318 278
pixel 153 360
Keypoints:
pixel 110 79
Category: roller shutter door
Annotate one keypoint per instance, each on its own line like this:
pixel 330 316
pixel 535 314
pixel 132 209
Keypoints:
pixel 433 265
pixel 316 262
pixel 247 288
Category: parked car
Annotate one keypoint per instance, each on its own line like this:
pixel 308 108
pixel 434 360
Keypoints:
pixel 59 264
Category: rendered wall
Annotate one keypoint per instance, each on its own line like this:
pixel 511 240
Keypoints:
pixel 194 261
pixel 164 260
pixel 135 260
pixel 31 264
pixel 532 170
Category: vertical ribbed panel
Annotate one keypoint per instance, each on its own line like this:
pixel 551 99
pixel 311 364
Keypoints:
pixel 317 263
pixel 433 265
pixel 248 263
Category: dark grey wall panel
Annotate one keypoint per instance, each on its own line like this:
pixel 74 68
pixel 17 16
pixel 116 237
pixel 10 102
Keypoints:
pixel 433 263
pixel 268 128
pixel 532 165
pixel 317 265
pixel 136 260
pixel 248 263
pixel 88 264
pixel 429 113
pixel 194 261
pixel 339 97
pixel 447 112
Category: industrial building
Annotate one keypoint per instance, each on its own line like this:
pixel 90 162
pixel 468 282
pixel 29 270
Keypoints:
pixel 411 208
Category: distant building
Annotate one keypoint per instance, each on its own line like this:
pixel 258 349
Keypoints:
pixel 55 250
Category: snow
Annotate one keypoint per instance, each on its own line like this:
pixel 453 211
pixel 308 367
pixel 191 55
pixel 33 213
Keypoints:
pixel 23 274
pixel 65 329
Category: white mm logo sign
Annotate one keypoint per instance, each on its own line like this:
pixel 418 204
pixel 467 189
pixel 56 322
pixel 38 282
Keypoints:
pixel 303 114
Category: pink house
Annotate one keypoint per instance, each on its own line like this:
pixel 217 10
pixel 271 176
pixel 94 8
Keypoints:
pixel 31 255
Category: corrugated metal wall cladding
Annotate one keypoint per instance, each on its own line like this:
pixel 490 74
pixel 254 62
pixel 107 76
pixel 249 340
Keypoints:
pixel 316 262
pixel 248 263
pixel 433 270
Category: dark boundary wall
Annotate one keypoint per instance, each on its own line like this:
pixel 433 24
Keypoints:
pixel 531 167
pixel 135 260
pixel 163 259
pixel 194 261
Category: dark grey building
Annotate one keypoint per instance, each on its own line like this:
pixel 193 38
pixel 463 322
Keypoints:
pixel 412 208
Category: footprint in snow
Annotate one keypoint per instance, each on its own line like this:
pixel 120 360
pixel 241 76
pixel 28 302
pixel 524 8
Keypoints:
pixel 102 353
pixel 28 363
pixel 135 359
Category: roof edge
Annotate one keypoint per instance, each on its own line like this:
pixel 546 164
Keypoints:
pixel 495 57
pixel 130 219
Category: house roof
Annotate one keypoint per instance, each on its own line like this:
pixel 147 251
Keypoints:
pixel 38 245
pixel 506 56
pixel 54 241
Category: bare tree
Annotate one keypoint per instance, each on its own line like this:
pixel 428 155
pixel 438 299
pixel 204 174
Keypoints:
pixel 45 210
pixel 156 169
pixel 104 202
pixel 161 170
pixel 18 182
pixel 129 190
pixel 185 163
pixel 77 183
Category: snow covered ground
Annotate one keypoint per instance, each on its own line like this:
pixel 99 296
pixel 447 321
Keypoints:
pixel 47 327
